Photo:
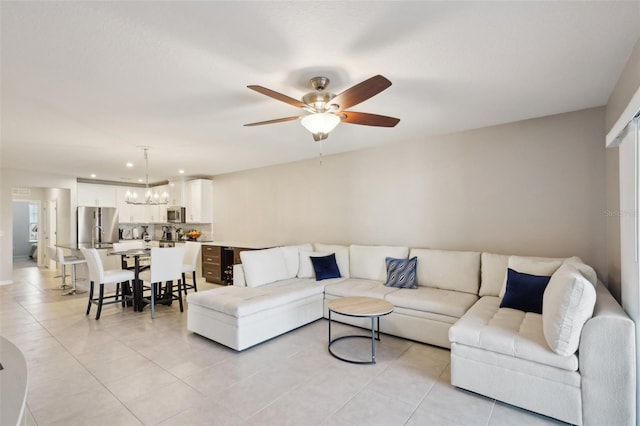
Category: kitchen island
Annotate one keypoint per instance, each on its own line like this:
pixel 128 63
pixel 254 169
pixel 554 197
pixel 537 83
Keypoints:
pixel 218 258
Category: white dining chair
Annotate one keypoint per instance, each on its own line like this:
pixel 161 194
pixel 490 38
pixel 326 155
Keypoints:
pixel 190 264
pixel 98 276
pixel 166 265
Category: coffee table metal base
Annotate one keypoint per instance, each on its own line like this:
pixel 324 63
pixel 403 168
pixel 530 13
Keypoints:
pixel 357 336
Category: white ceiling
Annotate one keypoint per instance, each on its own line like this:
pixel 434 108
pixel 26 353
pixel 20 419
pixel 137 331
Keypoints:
pixel 84 83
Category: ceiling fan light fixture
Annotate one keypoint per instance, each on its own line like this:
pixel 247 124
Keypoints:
pixel 321 122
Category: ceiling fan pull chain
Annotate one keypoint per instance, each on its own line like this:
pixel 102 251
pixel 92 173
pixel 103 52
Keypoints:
pixel 320 144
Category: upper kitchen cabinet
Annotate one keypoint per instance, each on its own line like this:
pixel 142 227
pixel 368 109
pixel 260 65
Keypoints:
pixel 176 193
pixel 141 213
pixel 158 213
pixel 198 196
pixel 97 195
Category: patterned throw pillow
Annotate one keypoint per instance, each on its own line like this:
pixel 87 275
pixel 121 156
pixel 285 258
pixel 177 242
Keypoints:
pixel 401 273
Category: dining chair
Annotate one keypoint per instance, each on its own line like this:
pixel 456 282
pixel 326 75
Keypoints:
pixel 190 264
pixel 166 266
pixel 98 276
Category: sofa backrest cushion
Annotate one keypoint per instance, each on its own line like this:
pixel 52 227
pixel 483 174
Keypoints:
pixel 493 269
pixel 292 258
pixel 368 262
pixel 264 266
pixel 448 269
pixel 342 256
pixel 541 266
pixel 567 304
pixel 306 267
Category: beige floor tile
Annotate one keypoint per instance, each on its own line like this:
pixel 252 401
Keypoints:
pixel 127 369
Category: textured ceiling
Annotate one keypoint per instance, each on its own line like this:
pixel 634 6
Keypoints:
pixel 83 84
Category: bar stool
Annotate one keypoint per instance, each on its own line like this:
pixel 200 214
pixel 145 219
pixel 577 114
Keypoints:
pixel 53 255
pixel 73 261
pixel 57 255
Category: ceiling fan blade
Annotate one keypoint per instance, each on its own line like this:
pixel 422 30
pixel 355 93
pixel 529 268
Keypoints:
pixel 279 96
pixel 277 120
pixel 368 119
pixel 361 92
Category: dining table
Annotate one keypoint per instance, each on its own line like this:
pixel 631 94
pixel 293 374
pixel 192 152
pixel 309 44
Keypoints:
pixel 136 254
pixel 138 300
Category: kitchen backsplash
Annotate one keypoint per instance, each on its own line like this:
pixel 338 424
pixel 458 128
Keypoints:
pixel 155 230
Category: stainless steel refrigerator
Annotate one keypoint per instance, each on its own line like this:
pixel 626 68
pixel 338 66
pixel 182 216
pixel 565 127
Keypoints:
pixel 97 225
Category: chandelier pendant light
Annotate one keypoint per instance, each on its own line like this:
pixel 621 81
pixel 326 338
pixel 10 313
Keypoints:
pixel 150 197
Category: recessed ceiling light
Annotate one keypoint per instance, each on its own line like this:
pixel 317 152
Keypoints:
pixel 181 171
pixel 93 175
pixel 140 180
pixel 129 164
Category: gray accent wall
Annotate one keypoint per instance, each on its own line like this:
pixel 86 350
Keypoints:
pixel 534 187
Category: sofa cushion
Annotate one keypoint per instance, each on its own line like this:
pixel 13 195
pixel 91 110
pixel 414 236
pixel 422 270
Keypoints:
pixel 342 256
pixel 305 268
pixel 567 304
pixel 401 273
pixel 509 332
pixel 524 291
pixel 358 287
pixel 264 266
pixel 433 300
pixel 325 267
pixel 493 268
pixel 531 265
pixel 292 258
pixel 367 262
pixel 448 269
pixel 242 301
pixel 587 271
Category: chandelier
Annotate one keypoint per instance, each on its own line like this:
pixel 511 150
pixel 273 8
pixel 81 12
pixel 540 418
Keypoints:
pixel 152 198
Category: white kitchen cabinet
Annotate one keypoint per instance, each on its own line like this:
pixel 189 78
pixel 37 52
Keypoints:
pixel 96 195
pixel 125 211
pixel 176 193
pixel 199 201
pixel 140 213
pixel 158 213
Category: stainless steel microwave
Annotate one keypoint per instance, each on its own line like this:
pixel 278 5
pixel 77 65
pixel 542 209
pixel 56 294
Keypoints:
pixel 176 214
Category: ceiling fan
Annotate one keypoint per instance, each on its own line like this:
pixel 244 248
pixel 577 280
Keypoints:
pixel 326 109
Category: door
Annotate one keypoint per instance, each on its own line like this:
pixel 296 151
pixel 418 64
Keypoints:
pixel 51 236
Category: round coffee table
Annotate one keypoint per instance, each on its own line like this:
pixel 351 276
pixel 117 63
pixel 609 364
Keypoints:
pixel 362 307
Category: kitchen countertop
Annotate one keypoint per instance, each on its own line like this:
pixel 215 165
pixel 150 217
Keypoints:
pixel 239 244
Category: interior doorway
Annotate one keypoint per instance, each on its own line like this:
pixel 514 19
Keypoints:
pixel 26 236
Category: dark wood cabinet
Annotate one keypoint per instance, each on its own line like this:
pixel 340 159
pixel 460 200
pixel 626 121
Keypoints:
pixel 212 263
pixel 216 259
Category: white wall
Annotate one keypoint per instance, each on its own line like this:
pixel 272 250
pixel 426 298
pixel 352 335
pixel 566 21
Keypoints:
pixel 9 179
pixel 535 187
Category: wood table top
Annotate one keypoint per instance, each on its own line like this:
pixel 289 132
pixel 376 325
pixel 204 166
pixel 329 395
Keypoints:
pixel 360 306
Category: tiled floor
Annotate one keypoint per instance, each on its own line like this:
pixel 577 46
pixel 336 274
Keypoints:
pixel 126 369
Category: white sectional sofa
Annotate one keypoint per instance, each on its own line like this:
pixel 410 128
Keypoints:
pixel 530 360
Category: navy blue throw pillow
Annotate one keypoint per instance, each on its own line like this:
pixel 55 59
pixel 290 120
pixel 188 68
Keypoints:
pixel 325 267
pixel 401 273
pixel 524 292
